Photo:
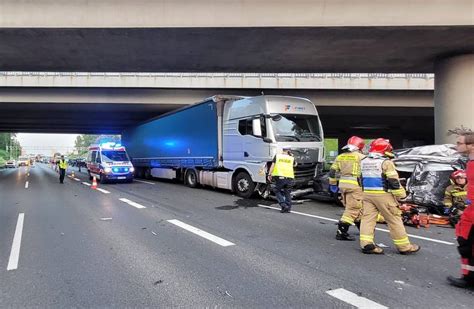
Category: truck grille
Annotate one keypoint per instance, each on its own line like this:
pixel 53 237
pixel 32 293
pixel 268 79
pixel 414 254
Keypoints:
pixel 305 171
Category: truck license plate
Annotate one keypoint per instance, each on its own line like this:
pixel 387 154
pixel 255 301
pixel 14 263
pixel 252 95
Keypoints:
pixel 121 177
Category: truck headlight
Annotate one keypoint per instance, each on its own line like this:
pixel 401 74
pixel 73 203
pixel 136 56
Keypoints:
pixel 107 170
pixel 132 169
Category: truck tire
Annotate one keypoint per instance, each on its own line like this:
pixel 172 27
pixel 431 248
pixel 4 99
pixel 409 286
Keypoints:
pixel 191 178
pixel 90 176
pixel 147 173
pixel 244 185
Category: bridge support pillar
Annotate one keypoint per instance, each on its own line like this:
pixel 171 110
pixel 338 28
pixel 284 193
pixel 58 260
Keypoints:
pixel 454 95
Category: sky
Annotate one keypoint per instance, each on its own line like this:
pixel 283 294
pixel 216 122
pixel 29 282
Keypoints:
pixel 46 144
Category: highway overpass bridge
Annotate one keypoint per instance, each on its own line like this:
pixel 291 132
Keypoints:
pixel 399 106
pixel 402 36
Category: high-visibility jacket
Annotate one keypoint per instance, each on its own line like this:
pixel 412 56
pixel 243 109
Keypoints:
pixel 62 164
pixel 284 166
pixel 346 170
pixel 379 176
pixel 455 194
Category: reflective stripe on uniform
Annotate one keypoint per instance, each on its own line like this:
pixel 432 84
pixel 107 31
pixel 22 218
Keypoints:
pixel 347 219
pixel 401 241
pixel 375 191
pixel 462 193
pixel 352 182
pixel 369 238
pixel 398 192
pixel 467 267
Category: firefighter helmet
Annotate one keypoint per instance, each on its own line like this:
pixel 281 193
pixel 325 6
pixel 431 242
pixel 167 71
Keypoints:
pixel 381 145
pixel 458 174
pixel 357 142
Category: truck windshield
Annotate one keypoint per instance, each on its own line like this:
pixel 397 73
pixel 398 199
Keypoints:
pixel 296 127
pixel 113 155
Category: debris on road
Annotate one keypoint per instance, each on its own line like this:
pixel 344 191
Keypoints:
pixel 105 219
pixel 381 245
pixel 154 233
pixel 158 282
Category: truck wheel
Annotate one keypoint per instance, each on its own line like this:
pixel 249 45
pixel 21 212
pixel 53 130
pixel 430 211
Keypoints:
pixel 244 185
pixel 147 174
pixel 191 178
pixel 90 176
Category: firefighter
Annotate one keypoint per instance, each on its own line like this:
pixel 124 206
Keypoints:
pixel 344 176
pixel 382 191
pixel 464 229
pixel 282 171
pixel 455 196
pixel 62 169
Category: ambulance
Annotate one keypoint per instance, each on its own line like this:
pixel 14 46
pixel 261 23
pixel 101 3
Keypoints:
pixel 109 162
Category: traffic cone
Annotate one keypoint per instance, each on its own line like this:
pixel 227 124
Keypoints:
pixel 94 183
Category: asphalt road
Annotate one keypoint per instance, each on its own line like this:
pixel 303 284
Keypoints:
pixel 161 244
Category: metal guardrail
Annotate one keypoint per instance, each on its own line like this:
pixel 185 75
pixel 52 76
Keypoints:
pixel 228 75
pixel 216 80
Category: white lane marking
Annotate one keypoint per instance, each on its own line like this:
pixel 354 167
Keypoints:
pixel 76 179
pixel 378 229
pixel 199 232
pixel 131 203
pixel 15 253
pixel 147 182
pixel 27 184
pixel 354 299
pixel 86 183
pixel 300 213
pixel 103 191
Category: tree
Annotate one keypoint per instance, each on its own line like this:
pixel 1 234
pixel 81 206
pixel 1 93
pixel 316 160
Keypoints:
pixel 83 142
pixel 10 146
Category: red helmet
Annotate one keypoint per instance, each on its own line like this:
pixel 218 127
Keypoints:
pixel 381 145
pixel 458 174
pixel 357 142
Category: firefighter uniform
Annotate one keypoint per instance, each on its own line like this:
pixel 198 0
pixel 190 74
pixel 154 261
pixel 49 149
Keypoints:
pixel 283 173
pixel 382 189
pixel 455 195
pixel 345 173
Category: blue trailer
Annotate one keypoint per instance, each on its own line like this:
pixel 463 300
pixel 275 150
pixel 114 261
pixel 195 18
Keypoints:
pixel 186 138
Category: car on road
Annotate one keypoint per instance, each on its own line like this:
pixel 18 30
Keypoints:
pixel 23 161
pixel 10 164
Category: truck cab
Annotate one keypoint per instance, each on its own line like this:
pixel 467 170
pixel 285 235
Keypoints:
pixel 109 162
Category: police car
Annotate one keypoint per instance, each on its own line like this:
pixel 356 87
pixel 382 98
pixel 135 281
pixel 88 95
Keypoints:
pixel 109 162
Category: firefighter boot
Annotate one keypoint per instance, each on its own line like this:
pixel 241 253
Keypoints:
pixel 413 249
pixel 372 249
pixel 460 282
pixel 342 233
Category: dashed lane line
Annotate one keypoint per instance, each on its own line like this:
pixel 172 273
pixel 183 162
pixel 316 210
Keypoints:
pixel 354 299
pixel 142 181
pixel 27 184
pixel 16 245
pixel 86 183
pixel 378 229
pixel 203 234
pixel 102 190
pixel 76 179
pixel 132 203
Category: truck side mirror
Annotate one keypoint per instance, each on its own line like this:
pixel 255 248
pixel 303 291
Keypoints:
pixel 256 127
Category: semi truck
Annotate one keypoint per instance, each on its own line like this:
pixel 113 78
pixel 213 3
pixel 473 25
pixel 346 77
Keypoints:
pixel 229 142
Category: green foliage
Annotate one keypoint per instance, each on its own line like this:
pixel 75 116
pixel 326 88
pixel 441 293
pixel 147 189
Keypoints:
pixel 9 145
